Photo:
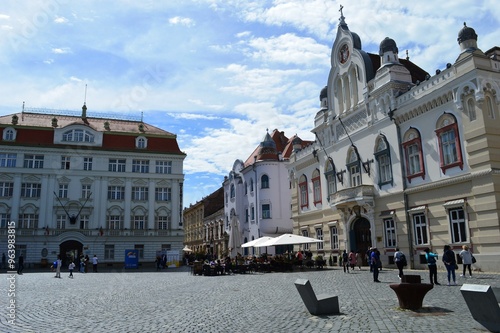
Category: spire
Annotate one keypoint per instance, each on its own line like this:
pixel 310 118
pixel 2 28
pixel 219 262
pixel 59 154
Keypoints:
pixel 84 107
pixel 342 18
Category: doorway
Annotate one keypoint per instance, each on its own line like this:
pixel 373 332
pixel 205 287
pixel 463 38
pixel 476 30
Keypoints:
pixel 70 250
pixel 361 237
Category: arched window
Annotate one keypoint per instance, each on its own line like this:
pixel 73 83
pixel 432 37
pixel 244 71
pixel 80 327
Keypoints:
pixel 471 109
pixel 232 192
pixel 490 107
pixel 316 183
pixel 141 142
pixel 78 135
pixel 450 152
pixel 412 146
pixel 304 202
pixel 264 181
pixel 9 134
pixel 383 158
pixel 353 167
pixel 330 176
pixel 251 184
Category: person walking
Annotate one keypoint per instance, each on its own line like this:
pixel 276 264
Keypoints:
pixel 71 267
pixel 431 263
pixel 20 265
pixel 359 259
pixel 58 267
pixel 450 263
pixel 95 261
pixel 345 261
pixel 466 256
pixel 4 261
pixel 352 259
pixel 400 260
pixel 375 262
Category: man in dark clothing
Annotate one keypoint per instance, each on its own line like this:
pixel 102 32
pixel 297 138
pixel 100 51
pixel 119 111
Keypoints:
pixel 20 265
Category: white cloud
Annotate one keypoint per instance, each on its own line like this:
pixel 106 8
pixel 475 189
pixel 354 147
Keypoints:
pixel 61 50
pixel 61 20
pixel 181 21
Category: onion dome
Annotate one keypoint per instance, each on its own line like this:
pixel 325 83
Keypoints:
pixel 466 33
pixel 387 45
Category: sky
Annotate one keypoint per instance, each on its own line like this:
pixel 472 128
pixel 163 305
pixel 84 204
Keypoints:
pixel 217 73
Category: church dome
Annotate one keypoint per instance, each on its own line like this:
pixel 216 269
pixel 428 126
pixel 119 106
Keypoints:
pixel 388 44
pixel 466 33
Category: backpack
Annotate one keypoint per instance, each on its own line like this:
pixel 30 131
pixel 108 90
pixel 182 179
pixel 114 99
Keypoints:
pixel 55 264
pixel 403 259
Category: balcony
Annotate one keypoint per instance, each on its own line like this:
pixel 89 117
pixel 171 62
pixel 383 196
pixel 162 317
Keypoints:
pixel 349 197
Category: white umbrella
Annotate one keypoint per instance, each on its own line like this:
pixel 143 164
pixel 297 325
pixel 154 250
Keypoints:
pixel 290 239
pixel 234 235
pixel 187 249
pixel 257 242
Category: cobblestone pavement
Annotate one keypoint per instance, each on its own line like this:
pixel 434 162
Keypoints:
pixel 176 301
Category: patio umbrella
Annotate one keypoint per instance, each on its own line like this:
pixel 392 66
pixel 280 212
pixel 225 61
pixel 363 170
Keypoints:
pixel 290 239
pixel 257 242
pixel 187 249
pixel 234 236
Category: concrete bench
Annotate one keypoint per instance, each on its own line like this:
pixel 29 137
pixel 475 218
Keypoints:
pixel 482 301
pixel 316 305
pixel 411 291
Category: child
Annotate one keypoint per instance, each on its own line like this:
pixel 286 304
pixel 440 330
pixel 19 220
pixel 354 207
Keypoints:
pixel 71 267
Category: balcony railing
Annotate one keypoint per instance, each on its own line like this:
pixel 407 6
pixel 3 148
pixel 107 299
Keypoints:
pixel 95 232
pixel 352 195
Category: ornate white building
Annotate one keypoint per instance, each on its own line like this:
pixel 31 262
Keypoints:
pixel 257 192
pixel 75 184
pixel 402 158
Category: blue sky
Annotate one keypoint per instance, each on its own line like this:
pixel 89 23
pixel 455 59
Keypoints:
pixel 217 73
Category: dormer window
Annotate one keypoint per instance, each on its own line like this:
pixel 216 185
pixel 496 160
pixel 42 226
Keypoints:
pixel 9 134
pixel 141 142
pixel 77 135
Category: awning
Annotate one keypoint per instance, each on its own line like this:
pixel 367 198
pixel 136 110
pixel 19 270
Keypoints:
pixel 387 213
pixel 454 203
pixel 417 209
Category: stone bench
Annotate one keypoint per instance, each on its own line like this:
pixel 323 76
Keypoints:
pixel 411 291
pixel 482 301
pixel 316 305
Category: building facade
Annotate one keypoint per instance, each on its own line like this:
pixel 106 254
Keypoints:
pixel 402 158
pixel 78 185
pixel 257 193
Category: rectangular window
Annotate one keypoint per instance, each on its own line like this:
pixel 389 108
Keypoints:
pixel 414 159
pixel 246 215
pixel 448 147
pixel 28 221
pixel 458 225
pixel 266 211
pixel 33 161
pixel 65 162
pixel 116 192
pixel 163 222
pixel 384 169
pixel 355 175
pixel 6 189
pixel 252 213
pixel 86 191
pixel 163 194
pixel 140 166
pixel 420 225
pixel 87 163
pixel 303 195
pixel 139 222
pixel 63 191
pixel 140 249
pixel 317 190
pixel 319 235
pixel 84 221
pixel 334 237
pixel 116 165
pixel 331 183
pixel 163 166
pixel 305 233
pixel 31 190
pixel 8 160
pixel 390 233
pixel 109 252
pixel 61 221
pixel 139 193
pixel 114 222
pixel 4 219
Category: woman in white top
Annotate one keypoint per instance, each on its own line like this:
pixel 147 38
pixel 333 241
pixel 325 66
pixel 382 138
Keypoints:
pixel 466 256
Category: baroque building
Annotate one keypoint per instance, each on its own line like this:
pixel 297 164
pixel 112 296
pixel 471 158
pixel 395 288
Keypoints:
pixel 403 158
pixel 92 185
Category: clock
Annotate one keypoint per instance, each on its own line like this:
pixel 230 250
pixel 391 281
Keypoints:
pixel 344 53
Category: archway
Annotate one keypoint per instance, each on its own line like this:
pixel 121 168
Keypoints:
pixel 70 250
pixel 360 237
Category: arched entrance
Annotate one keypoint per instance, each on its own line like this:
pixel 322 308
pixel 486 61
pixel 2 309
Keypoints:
pixel 70 250
pixel 360 237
